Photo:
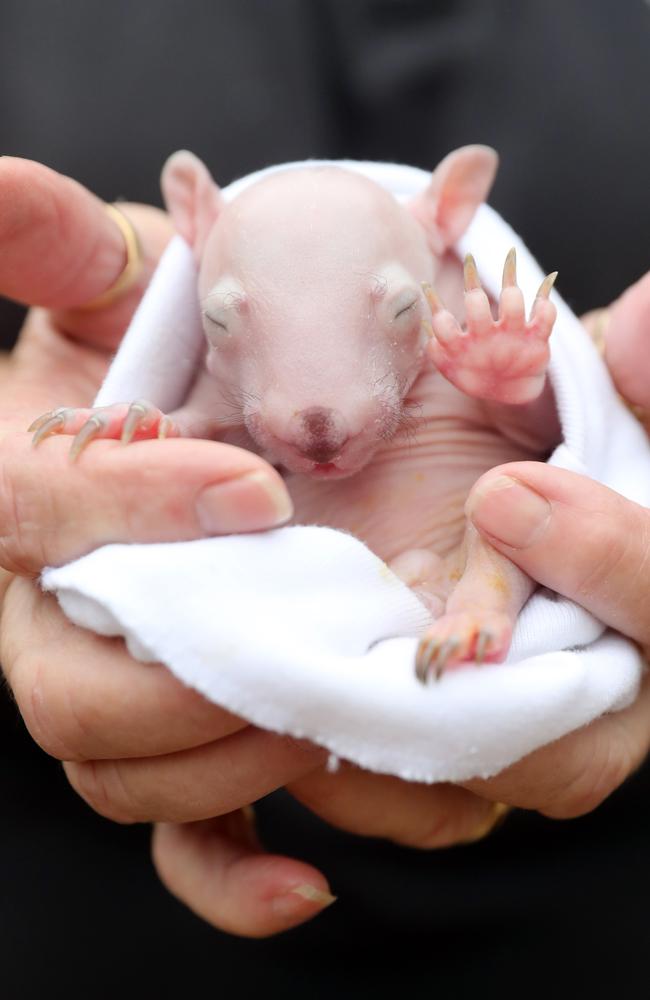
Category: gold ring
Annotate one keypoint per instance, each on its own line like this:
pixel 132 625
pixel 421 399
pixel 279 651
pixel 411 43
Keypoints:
pixel 492 822
pixel 131 271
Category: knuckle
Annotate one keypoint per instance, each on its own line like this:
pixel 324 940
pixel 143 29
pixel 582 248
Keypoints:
pixel 617 561
pixel 443 830
pixel 29 683
pixel 24 503
pixel 444 818
pixel 302 748
pixel 46 704
pixel 600 770
pixel 639 579
pixel 60 713
pixel 11 521
pixel 100 784
pixel 610 548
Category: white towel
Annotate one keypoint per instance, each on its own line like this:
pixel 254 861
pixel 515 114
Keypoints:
pixel 303 630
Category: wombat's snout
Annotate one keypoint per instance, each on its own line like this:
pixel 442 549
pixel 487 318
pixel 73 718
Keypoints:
pixel 320 433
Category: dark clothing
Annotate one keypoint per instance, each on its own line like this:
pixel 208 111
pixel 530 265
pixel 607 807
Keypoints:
pixel 104 92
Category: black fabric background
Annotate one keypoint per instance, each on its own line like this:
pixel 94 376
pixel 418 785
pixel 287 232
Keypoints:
pixel 104 92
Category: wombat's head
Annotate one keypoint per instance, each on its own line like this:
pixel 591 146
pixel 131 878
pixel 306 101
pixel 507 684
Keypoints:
pixel 310 287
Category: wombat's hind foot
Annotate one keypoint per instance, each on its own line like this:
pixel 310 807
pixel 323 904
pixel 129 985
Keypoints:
pixel 479 637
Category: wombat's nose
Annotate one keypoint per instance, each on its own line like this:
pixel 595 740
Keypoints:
pixel 321 433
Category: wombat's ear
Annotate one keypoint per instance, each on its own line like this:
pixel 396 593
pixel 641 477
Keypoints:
pixel 192 198
pixel 458 185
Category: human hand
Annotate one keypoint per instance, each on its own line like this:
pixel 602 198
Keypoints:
pixel 139 746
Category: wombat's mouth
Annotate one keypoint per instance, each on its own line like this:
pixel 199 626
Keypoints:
pixel 355 452
pixel 325 468
pixel 317 470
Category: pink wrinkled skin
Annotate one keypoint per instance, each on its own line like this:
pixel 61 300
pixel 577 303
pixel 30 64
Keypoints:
pixel 316 276
pixel 311 291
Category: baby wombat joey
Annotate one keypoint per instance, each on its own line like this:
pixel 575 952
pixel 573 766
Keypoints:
pixel 328 352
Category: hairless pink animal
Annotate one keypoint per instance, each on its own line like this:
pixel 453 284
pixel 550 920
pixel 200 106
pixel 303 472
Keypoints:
pixel 329 352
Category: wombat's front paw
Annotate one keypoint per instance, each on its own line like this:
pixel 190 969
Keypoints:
pixel 135 422
pixel 504 360
pixel 481 637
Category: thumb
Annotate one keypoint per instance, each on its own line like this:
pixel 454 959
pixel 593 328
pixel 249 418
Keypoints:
pixel 572 535
pixel 53 510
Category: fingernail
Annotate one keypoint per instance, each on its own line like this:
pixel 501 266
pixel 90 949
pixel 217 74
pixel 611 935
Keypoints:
pixel 293 901
pixel 495 817
pixel 249 503
pixel 509 512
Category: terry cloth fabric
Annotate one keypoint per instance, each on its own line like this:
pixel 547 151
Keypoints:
pixel 303 630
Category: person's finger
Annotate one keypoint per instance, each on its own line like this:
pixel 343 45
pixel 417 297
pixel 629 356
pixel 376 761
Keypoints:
pixel 53 510
pixel 380 805
pixel 218 871
pixel 103 327
pixel 57 246
pixel 83 697
pixel 576 773
pixel 572 535
pixel 200 783
pixel 627 337
pixel 60 249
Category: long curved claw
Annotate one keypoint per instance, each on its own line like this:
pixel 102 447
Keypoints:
pixel 432 297
pixel 482 642
pixel 164 427
pixel 432 658
pixel 91 429
pixel 446 651
pixel 136 415
pixel 470 274
pixel 426 652
pixel 510 270
pixel 545 288
pixel 38 423
pixel 46 426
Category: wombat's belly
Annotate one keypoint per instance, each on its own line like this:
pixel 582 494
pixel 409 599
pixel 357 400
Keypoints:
pixel 410 497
